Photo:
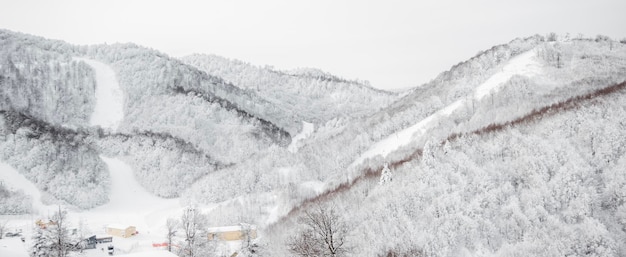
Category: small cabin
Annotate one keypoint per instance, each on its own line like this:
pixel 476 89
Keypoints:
pixel 120 230
pixel 232 233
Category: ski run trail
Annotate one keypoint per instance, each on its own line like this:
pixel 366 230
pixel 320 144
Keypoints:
pixel 109 110
pixel 130 204
pixel 524 64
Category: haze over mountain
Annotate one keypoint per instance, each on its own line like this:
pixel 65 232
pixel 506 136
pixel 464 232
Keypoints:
pixel 393 45
pixel 519 150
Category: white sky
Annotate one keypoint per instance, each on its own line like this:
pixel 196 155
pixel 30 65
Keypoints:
pixel 393 44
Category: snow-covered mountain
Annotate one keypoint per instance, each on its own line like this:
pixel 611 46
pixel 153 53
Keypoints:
pixel 310 95
pixel 464 147
pixel 518 151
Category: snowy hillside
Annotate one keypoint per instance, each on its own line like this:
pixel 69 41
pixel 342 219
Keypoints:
pixel 182 110
pixel 518 150
pixel 35 79
pixel 521 146
pixel 311 95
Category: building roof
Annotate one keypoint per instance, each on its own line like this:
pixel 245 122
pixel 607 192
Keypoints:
pixel 117 226
pixel 227 228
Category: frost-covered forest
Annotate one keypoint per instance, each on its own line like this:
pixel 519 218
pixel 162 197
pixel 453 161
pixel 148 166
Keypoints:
pixel 518 151
pixel 310 94
pixel 14 202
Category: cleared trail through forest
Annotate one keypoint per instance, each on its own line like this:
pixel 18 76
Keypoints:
pixel 525 64
pixel 13 179
pixel 536 115
pixel 128 200
pixel 109 110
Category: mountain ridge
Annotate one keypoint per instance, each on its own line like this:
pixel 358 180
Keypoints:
pixel 520 144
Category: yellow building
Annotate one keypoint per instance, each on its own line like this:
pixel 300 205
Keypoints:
pixel 121 231
pixel 232 233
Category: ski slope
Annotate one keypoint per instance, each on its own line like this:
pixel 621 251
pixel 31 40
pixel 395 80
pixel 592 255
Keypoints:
pixel 109 109
pixel 405 136
pixel 14 181
pixel 130 203
pixel 524 64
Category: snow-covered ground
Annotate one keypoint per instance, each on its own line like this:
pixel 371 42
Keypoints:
pixel 130 205
pixel 109 110
pixel 13 247
pixel 307 130
pixel 16 181
pixel 524 64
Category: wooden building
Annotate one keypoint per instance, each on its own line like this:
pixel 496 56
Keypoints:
pixel 121 231
pixel 232 233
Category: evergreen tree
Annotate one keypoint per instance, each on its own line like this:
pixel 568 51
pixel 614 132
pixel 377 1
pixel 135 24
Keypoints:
pixel 42 245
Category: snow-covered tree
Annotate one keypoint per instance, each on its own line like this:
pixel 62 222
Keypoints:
pixel 171 224
pixel 249 248
pixel 59 236
pixel 194 225
pixel 41 243
pixel 385 176
pixel 324 235
pixel 53 240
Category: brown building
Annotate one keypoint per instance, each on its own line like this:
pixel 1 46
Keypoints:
pixel 121 231
pixel 232 233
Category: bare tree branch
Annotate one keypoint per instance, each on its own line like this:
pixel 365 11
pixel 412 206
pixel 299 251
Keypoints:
pixel 324 234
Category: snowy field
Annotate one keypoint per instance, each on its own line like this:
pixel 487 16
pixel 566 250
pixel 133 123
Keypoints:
pixel 13 247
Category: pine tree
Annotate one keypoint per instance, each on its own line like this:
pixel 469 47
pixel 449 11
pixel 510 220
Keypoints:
pixel 41 246
pixel 385 176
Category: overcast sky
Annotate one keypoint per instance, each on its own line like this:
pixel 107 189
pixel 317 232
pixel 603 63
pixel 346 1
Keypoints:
pixel 393 44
